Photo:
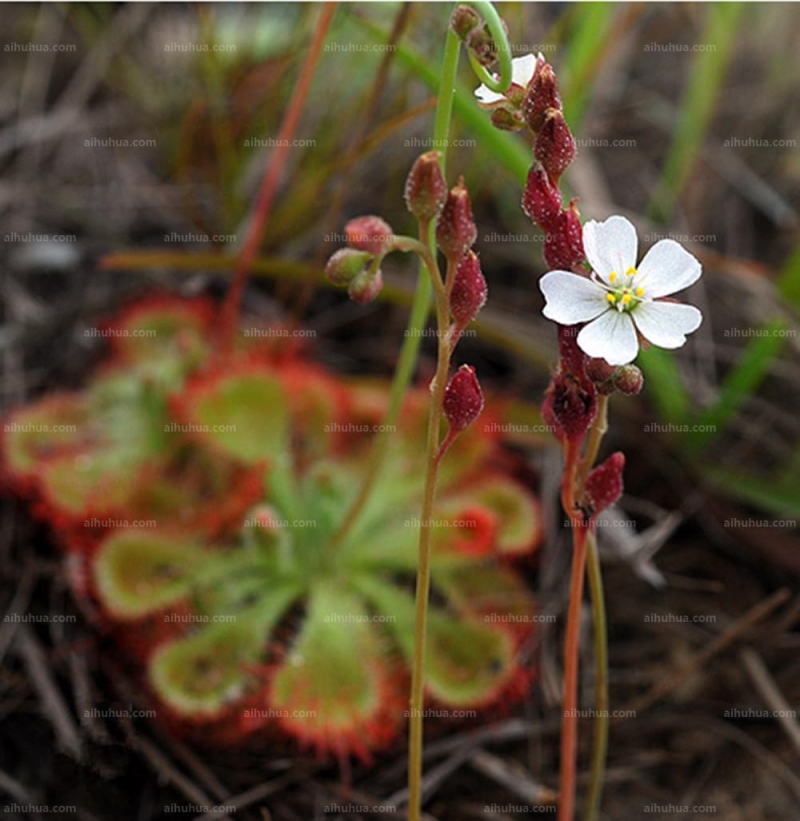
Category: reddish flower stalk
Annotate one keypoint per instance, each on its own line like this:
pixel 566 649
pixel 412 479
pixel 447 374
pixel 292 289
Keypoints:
pixel 269 186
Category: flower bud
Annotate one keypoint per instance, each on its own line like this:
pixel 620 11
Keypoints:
pixel 572 405
pixel 555 147
pixel 505 118
pixel 604 485
pixel 563 245
pixel 483 47
pixel 541 200
pixel 463 21
pixel 463 399
pixel 455 229
pixel 426 188
pixel 370 234
pixel 542 95
pixel 602 374
pixel 468 295
pixel 345 265
pixel 629 380
pixel 366 287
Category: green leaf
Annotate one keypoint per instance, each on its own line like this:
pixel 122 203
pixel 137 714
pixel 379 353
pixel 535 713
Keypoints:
pixel 789 279
pixel 779 497
pixel 139 572
pixel 664 383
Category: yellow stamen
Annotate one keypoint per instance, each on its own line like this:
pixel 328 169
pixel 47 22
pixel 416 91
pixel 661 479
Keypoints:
pixel 626 299
pixel 631 272
pixel 640 292
pixel 611 298
pixel 612 277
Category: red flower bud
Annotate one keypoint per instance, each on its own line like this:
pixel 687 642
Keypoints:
pixel 629 380
pixel 542 94
pixel 426 188
pixel 365 287
pixel 604 485
pixel 555 147
pixel 345 265
pixel 370 234
pixel 455 229
pixel 541 200
pixel 602 374
pixel 463 21
pixel 563 245
pixel 571 405
pixel 463 400
pixel 468 295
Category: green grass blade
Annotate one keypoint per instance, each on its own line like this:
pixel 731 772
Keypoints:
pixel 789 279
pixel 664 383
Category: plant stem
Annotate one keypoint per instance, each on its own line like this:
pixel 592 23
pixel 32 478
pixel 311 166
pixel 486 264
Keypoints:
pixel 596 434
pixel 269 186
pixel 601 701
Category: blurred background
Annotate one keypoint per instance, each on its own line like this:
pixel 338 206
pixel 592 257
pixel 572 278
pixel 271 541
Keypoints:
pixel 133 138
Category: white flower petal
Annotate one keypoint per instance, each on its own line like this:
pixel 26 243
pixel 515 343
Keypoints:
pixel 666 323
pixel 572 298
pixel 611 337
pixel 486 96
pixel 610 246
pixel 522 69
pixel 667 268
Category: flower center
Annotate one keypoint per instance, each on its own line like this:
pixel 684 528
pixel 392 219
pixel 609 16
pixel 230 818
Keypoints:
pixel 623 294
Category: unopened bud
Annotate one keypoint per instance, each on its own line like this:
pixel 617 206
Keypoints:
pixel 572 403
pixel 505 118
pixel 563 245
pixel 426 188
pixel 541 200
pixel 366 287
pixel 604 484
pixel 345 265
pixel 483 47
pixel 455 229
pixel 599 371
pixel 542 94
pixel 629 380
pixel 371 234
pixel 555 147
pixel 463 399
pixel 468 295
pixel 463 21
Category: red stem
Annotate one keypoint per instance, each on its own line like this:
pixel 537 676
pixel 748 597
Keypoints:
pixel 230 310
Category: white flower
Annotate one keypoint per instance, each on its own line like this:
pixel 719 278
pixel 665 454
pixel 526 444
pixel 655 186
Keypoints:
pixel 620 299
pixel 522 69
